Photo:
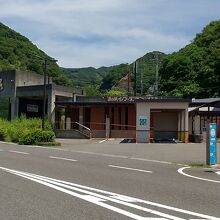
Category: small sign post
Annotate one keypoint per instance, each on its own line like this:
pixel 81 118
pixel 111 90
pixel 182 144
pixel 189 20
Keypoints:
pixel 211 154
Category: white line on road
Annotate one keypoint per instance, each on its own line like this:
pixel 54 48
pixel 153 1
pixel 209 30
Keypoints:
pixel 218 172
pixel 18 152
pixel 195 177
pixel 155 161
pixel 100 199
pixel 128 168
pixel 62 158
pixel 9 143
pixel 98 154
pixel 102 141
pixel 1 150
pixel 146 218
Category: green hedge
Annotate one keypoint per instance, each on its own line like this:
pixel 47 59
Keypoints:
pixel 26 131
pixel 36 136
pixel 3 134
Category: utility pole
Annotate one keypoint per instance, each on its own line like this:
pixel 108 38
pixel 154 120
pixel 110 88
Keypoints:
pixel 157 74
pixel 45 59
pixel 128 82
pixel 135 66
pixel 141 82
pixel 156 59
pixel 44 94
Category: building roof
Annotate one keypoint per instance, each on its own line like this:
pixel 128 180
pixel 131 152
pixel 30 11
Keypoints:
pixel 204 105
pixel 209 102
pixel 121 100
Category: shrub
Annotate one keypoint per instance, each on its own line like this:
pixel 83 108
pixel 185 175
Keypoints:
pixel 27 138
pixel 3 134
pixel 26 131
pixel 36 136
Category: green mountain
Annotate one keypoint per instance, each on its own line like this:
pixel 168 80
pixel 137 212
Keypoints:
pixel 87 76
pixel 104 79
pixel 145 77
pixel 17 52
pixel 90 76
pixel 194 71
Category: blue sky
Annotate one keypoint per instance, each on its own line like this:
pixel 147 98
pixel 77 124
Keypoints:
pixel 81 33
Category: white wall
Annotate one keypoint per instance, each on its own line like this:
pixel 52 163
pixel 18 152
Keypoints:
pixel 169 121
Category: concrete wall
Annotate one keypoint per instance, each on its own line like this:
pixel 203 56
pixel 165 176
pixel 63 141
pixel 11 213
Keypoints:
pixel 28 78
pixel 123 134
pixel 29 84
pixel 72 134
pixel 9 90
pixel 143 131
pixel 143 110
pixel 114 134
pixel 98 133
pixel 8 78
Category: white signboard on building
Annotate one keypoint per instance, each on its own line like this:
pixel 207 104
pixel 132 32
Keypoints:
pixel 32 108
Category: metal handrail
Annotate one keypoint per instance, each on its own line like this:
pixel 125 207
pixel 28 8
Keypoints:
pixel 83 126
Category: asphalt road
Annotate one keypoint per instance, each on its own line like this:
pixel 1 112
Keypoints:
pixel 106 180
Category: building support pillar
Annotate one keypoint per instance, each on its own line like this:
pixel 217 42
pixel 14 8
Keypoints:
pixel 186 126
pixel 80 116
pixel 51 106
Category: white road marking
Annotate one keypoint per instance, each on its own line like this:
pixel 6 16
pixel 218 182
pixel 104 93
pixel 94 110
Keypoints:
pixel 113 155
pixel 155 161
pixel 218 172
pixel 102 141
pixel 10 143
pixel 146 218
pixel 181 164
pixel 98 154
pixel 195 177
pixel 62 158
pixel 18 152
pixel 128 168
pixel 1 150
pixel 105 196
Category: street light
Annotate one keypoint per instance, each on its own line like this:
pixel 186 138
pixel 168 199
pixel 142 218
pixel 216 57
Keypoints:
pixel 45 59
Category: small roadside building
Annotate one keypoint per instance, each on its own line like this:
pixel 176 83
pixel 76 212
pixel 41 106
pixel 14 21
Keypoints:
pixel 145 119
pixel 22 92
pixel 202 112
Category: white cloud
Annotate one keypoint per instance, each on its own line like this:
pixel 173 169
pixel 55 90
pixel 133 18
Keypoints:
pixel 106 32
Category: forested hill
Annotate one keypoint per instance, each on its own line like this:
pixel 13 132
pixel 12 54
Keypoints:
pixel 146 67
pixel 194 71
pixel 87 76
pixel 17 52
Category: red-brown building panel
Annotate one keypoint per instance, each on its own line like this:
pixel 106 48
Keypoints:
pixel 131 117
pixel 97 118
